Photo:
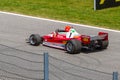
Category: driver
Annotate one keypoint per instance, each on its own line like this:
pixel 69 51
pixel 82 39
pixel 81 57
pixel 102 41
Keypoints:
pixel 67 28
pixel 72 33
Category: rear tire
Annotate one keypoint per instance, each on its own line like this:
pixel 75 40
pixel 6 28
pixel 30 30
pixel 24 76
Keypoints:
pixel 73 46
pixel 103 44
pixel 35 39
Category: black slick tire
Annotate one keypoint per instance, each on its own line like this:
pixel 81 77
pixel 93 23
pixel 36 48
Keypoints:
pixel 35 39
pixel 73 46
pixel 103 44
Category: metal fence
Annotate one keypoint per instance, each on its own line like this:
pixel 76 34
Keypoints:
pixel 21 65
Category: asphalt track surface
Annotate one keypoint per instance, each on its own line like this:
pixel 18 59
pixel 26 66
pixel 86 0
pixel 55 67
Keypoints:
pixel 17 64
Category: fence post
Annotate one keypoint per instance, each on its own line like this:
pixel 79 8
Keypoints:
pixel 46 66
pixel 94 5
pixel 115 75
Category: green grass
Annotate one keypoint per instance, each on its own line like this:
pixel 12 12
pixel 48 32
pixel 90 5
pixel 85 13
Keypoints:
pixel 76 11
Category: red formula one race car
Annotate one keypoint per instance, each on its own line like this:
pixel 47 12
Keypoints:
pixel 70 40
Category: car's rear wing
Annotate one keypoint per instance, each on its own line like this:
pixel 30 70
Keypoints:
pixel 101 36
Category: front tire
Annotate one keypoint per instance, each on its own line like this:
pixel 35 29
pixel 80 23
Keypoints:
pixel 73 46
pixel 35 39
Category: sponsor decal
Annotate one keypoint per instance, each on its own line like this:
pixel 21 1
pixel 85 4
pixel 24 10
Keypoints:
pixel 85 39
pixel 64 42
pixel 100 4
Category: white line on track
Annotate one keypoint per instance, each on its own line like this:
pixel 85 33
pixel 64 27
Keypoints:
pixel 58 21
